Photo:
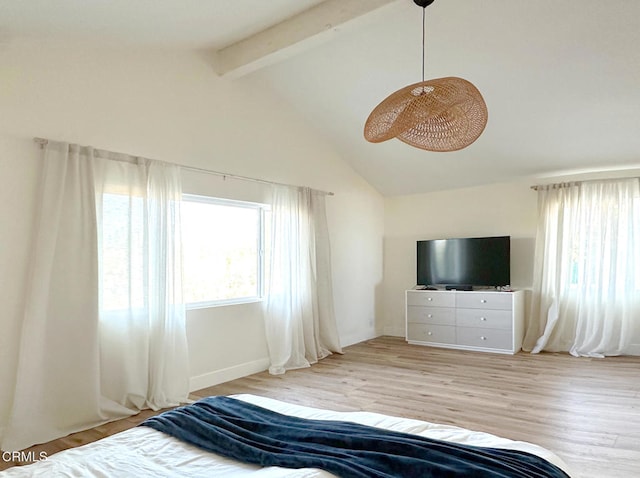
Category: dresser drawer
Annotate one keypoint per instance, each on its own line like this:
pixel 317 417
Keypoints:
pixel 431 298
pixel 484 300
pixel 442 334
pixel 485 338
pixel 431 315
pixel 490 318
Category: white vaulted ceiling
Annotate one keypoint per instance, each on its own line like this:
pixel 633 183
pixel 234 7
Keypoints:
pixel 560 79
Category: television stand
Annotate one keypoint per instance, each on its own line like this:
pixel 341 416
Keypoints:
pixel 489 321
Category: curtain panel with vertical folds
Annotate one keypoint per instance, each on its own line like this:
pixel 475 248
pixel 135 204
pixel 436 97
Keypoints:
pixel 586 286
pixel 103 332
pixel 300 321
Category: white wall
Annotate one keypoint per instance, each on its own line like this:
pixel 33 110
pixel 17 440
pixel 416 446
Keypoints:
pixel 494 210
pixel 171 106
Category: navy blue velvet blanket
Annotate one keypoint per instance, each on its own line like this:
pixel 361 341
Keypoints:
pixel 253 434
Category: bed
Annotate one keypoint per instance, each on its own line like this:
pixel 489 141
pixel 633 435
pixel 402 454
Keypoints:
pixel 146 451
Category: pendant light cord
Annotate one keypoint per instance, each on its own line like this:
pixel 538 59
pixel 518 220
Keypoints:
pixel 424 9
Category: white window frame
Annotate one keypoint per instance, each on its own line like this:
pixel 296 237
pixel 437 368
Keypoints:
pixel 261 240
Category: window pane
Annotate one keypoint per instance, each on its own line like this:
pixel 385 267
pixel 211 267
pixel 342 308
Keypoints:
pixel 221 244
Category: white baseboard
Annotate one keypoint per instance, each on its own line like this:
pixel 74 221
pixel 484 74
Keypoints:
pixel 226 374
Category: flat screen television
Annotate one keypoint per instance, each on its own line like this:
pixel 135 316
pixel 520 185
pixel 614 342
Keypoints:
pixel 465 262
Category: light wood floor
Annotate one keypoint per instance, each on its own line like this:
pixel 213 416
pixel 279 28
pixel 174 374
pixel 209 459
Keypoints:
pixel 585 410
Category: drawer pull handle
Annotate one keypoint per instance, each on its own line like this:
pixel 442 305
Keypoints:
pixel 429 333
pixel 483 338
pixel 429 316
pixel 429 299
pixel 484 301
pixel 483 319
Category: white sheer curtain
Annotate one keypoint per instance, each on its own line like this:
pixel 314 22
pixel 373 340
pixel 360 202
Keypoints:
pixel 300 320
pixel 586 289
pixel 143 345
pixel 78 365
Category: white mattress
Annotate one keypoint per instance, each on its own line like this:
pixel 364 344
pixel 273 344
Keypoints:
pixel 143 451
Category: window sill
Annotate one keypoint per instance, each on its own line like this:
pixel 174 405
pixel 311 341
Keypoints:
pixel 223 303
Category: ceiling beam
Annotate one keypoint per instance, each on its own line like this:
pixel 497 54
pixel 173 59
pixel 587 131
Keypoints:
pixel 292 36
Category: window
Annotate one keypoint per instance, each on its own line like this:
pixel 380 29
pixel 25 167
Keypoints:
pixel 223 251
pixel 596 243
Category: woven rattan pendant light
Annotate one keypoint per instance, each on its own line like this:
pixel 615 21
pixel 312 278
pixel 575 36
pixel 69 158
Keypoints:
pixel 445 114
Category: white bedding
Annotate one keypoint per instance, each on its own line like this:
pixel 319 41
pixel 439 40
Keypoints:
pixel 142 451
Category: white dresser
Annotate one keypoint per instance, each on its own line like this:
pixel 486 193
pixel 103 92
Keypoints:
pixel 489 321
